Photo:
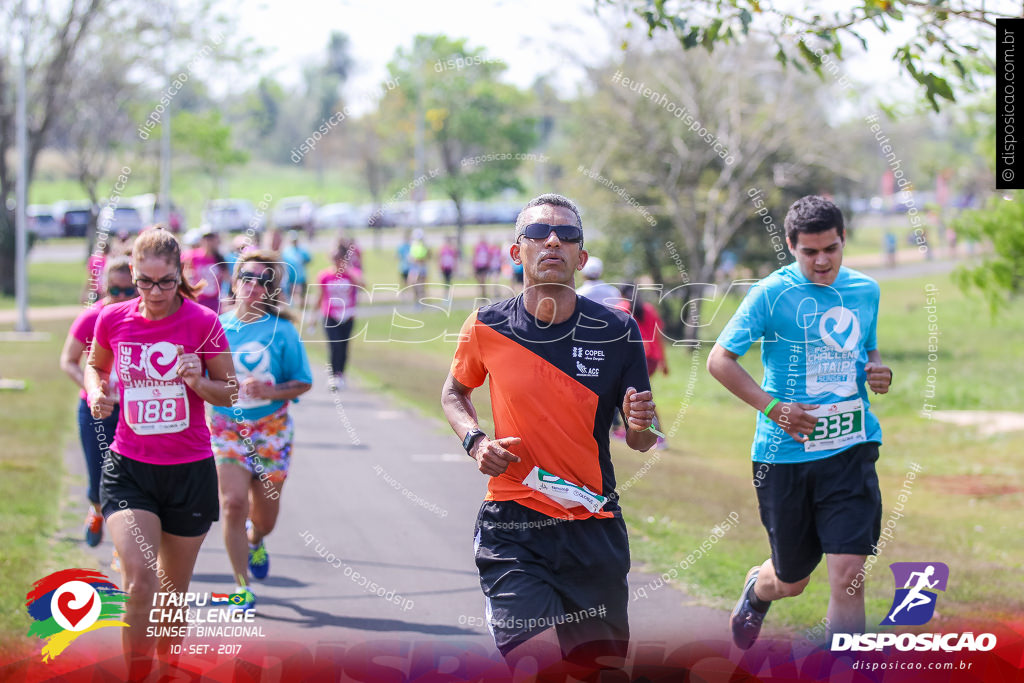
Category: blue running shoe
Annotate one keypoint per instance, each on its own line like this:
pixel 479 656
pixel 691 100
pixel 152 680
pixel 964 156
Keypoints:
pixel 259 561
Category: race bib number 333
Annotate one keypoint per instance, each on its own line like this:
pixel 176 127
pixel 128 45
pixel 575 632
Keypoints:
pixel 839 425
pixel 156 410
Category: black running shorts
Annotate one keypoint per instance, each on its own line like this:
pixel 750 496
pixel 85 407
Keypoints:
pixel 537 572
pixel 832 505
pixel 183 496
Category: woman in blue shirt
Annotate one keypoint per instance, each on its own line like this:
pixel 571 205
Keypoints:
pixel 252 440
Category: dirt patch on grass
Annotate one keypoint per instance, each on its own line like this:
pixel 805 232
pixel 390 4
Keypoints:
pixel 988 422
pixel 974 485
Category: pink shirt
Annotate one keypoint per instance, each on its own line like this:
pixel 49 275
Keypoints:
pixel 207 268
pixel 94 268
pixel 447 257
pixel 162 420
pixel 481 255
pixel 82 329
pixel 338 301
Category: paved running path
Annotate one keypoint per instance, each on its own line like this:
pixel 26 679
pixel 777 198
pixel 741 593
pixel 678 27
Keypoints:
pixel 389 494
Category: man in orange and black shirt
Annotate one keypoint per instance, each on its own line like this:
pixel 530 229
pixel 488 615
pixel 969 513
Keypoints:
pixel 550 542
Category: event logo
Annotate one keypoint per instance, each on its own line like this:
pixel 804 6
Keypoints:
pixel 69 603
pixel 161 361
pixel 843 321
pixel 914 603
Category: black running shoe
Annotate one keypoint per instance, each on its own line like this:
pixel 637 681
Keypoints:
pixel 746 621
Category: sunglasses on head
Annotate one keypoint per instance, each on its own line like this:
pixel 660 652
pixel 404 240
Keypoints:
pixel 121 291
pixel 264 278
pixel 565 233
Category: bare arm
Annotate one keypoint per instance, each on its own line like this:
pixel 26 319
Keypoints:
pixel 285 391
pixel 71 358
pixel 218 387
pixel 879 375
pixel 492 456
pixel 95 378
pixel 638 407
pixel 793 418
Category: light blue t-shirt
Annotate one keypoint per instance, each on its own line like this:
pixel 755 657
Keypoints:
pixel 268 349
pixel 815 343
pixel 295 259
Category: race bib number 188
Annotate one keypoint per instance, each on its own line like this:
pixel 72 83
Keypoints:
pixel 839 425
pixel 156 410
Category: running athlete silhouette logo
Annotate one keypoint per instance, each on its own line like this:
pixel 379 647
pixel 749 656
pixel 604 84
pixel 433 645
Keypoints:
pixel 914 603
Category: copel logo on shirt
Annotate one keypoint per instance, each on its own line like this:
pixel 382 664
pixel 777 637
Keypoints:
pixel 591 355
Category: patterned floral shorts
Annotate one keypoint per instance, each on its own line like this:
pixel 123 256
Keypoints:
pixel 260 446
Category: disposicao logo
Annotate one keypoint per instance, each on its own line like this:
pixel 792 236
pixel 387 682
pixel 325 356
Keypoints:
pixel 69 603
pixel 914 603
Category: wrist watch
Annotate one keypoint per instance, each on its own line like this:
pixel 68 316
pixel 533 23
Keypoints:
pixel 471 437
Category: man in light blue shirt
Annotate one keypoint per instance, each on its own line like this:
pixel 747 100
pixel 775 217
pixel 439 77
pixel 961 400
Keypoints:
pixel 816 440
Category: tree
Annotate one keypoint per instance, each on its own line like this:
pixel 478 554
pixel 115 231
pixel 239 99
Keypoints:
pixel 947 35
pixel 323 85
pixel 679 143
pixel 207 139
pixel 1000 276
pixel 54 43
pixel 100 126
pixel 477 126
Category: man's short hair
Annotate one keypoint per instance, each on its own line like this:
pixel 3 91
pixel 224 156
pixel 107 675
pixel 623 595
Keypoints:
pixel 813 214
pixel 550 199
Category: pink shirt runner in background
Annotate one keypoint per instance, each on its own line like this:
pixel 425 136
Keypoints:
pixel 447 257
pixel 162 421
pixel 204 267
pixel 339 294
pixel 94 268
pixel 82 329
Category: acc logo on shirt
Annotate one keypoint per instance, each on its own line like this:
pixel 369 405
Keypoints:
pixel 914 603
pixel 838 321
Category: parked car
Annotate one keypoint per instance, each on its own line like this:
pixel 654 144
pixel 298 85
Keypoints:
pixel 148 206
pixel 394 214
pixel 437 212
pixel 119 220
pixel 295 213
pixel 335 216
pixel 74 216
pixel 42 222
pixel 233 215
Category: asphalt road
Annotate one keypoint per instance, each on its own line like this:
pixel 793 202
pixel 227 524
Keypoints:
pixel 387 494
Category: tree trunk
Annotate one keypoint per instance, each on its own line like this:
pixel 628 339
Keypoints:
pixel 7 250
pixel 460 222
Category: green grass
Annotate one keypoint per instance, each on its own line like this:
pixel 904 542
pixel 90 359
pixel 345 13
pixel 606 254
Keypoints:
pixel 52 284
pixel 706 474
pixel 37 424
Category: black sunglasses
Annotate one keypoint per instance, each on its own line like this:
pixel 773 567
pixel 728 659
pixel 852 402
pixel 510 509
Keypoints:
pixel 118 291
pixel 265 279
pixel 565 233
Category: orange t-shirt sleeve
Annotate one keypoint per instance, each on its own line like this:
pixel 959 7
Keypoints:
pixel 468 366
